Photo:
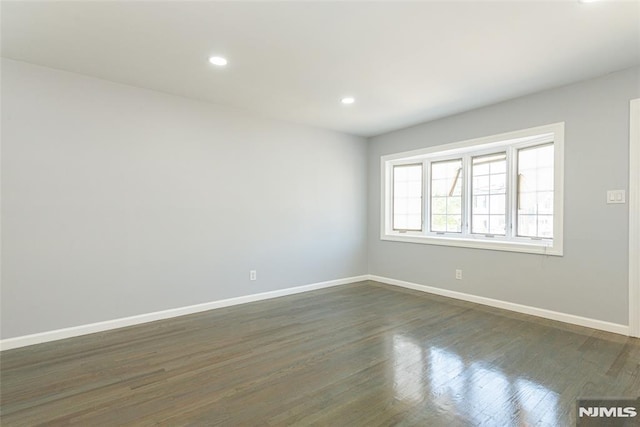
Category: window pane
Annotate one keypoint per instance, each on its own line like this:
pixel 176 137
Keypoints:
pixel 400 206
pixel 545 226
pixel 414 206
pixel 498 167
pixel 488 192
pixel 439 187
pixel 454 223
pixel 481 169
pixel 480 224
pixel 527 225
pixel 497 183
pixel 438 223
pixel 528 204
pixel 400 189
pixel 545 202
pixel 414 188
pixel 535 192
pixel 496 224
pixel 481 185
pixel 528 180
pixel 439 205
pixel 446 196
pixel 545 156
pixel 414 222
pixel 527 159
pixel 480 204
pixel 454 206
pixel 446 169
pixel 544 179
pixel 497 204
pixel 400 222
pixel 407 197
pixel 414 172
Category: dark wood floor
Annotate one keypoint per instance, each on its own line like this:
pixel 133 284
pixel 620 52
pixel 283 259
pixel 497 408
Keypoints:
pixel 362 354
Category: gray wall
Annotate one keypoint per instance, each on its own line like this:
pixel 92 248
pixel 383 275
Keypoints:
pixel 591 279
pixel 119 201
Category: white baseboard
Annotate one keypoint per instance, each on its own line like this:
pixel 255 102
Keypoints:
pixel 58 334
pixel 534 311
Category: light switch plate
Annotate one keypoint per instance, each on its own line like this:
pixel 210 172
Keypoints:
pixel 616 196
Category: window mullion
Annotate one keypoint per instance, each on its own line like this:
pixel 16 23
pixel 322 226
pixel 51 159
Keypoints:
pixel 426 196
pixel 466 205
pixel 514 191
pixel 512 210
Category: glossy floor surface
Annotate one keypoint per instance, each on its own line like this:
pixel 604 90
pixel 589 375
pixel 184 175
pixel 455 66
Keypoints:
pixel 364 354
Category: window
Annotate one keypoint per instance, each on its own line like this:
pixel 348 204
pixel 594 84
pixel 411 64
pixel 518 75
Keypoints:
pixel 446 196
pixel 489 194
pixel 535 192
pixel 407 197
pixel 502 192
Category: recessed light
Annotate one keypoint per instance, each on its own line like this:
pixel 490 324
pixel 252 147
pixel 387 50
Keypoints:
pixel 587 1
pixel 348 100
pixel 218 60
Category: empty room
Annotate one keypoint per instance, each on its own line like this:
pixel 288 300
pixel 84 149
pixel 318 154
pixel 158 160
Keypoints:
pixel 339 213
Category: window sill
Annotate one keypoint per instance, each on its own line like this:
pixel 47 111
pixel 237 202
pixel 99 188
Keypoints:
pixel 498 245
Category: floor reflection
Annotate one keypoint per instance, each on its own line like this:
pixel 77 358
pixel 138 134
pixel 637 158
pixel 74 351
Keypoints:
pixel 408 369
pixel 446 377
pixel 488 393
pixel 537 403
pixel 474 390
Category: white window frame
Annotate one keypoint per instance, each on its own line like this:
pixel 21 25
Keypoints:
pixel 408 230
pixel 427 165
pixel 508 142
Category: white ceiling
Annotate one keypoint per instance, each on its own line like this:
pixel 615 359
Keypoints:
pixel 404 62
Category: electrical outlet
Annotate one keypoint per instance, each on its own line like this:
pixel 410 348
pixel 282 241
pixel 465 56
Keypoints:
pixel 458 274
pixel 252 275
